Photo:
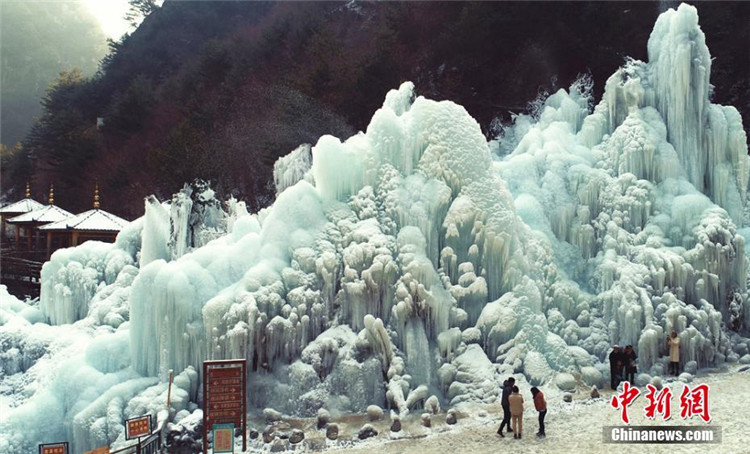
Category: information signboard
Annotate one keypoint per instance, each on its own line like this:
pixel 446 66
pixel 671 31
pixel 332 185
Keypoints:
pixel 138 427
pixel 54 448
pixel 225 396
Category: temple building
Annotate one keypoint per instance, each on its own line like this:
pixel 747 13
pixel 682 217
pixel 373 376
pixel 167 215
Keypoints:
pixel 94 224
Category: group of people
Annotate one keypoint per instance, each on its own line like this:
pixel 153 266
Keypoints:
pixel 512 403
pixel 622 363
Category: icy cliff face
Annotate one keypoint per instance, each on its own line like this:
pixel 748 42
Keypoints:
pixel 408 261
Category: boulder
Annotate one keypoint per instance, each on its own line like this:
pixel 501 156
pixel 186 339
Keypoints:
pixel 594 392
pixel 396 425
pixel 567 397
pixel 272 415
pixel 374 413
pixel 279 445
pixel 323 418
pixel 269 434
pixel 332 432
pixel 426 420
pixel 367 431
pixel 297 436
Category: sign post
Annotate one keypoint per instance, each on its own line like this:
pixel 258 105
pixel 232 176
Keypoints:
pixel 54 448
pixel 224 397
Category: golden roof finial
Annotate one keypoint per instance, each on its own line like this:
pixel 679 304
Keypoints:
pixel 96 196
pixel 51 194
pixel 28 190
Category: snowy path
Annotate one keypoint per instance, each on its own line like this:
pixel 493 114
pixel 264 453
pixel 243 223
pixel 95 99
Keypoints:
pixel 575 427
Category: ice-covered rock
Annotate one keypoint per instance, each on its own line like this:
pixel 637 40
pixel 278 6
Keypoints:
pixel 432 404
pixel 566 382
pixel 451 417
pixel 591 376
pixel 366 431
pixel 272 415
pixel 374 413
pixel 685 377
pixel 323 418
pixel 396 424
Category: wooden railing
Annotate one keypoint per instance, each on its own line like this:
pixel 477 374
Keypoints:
pixel 22 276
pixel 148 445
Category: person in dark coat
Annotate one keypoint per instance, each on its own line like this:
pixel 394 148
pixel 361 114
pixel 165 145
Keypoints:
pixel 541 406
pixel 507 390
pixel 630 363
pixel 615 367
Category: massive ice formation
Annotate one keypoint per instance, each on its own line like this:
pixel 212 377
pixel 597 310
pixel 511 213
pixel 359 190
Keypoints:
pixel 409 261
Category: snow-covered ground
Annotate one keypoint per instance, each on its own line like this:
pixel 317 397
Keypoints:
pixel 574 427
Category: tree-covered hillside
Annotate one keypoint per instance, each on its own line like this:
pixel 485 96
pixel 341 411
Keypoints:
pixel 220 90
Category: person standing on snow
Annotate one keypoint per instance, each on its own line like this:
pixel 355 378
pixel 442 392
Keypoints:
pixel 630 364
pixel 615 367
pixel 507 390
pixel 674 353
pixel 516 412
pixel 541 406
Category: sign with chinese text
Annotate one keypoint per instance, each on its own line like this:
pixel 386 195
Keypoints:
pixel 223 439
pixel 137 427
pixel 225 396
pixel 54 448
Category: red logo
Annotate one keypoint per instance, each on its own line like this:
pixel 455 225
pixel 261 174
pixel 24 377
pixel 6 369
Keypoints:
pixel 623 401
pixel 659 403
pixel 694 402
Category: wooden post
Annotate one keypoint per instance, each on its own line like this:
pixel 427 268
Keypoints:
pixel 74 238
pixel 49 244
pixel 169 391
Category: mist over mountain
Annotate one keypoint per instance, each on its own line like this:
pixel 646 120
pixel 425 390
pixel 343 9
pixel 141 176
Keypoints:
pixel 220 90
pixel 37 41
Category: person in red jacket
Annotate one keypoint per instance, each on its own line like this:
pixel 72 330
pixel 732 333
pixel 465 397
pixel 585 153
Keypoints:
pixel 541 406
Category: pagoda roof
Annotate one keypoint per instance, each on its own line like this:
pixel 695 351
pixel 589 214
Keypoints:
pixel 92 220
